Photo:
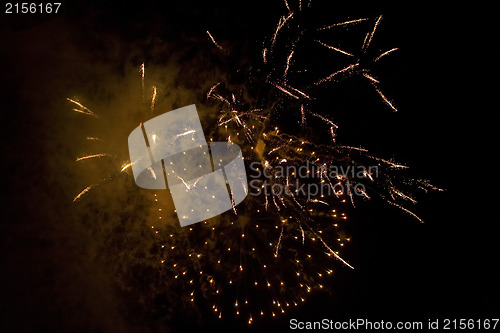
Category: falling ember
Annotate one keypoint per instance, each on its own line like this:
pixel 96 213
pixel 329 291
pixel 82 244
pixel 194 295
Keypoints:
pixel 385 53
pixel 287 6
pixel 125 167
pixel 343 23
pixel 142 71
pixel 184 133
pixel 213 41
pixel 286 91
pixel 92 156
pixel 281 24
pixel 209 94
pixel 153 99
pixel 385 99
pixel 290 91
pixel 302 115
pixel 369 36
pixel 152 171
pixel 336 49
pixel 303 94
pixel 82 109
pixel 326 120
pixel 279 243
pixel 85 190
pixel 405 210
pixel 337 73
pixel 288 60
pixel 371 78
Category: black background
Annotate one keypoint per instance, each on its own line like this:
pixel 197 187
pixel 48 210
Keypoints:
pixel 445 268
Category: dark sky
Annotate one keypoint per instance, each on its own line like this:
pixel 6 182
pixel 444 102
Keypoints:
pixel 51 277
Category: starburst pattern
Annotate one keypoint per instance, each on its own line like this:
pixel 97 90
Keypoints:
pixel 268 253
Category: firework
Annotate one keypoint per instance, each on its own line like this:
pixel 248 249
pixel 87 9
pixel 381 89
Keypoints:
pixel 267 254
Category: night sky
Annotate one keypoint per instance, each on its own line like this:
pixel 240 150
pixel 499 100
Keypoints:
pixel 53 278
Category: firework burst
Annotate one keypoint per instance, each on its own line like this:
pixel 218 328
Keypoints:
pixel 267 254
